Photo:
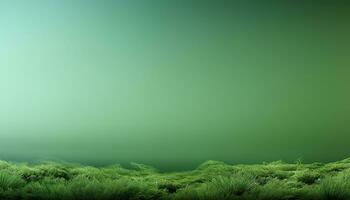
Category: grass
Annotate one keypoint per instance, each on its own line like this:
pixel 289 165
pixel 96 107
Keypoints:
pixel 210 181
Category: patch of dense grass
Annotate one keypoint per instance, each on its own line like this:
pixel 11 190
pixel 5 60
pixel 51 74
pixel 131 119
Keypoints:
pixel 210 181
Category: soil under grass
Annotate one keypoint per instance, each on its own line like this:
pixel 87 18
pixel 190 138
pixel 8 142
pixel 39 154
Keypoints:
pixel 211 180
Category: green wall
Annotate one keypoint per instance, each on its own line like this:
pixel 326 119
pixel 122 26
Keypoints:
pixel 174 83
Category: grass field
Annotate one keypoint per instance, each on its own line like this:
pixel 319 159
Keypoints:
pixel 211 180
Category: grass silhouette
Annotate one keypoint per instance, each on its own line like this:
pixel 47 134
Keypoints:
pixel 210 181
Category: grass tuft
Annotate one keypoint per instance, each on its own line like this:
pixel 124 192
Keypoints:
pixel 210 181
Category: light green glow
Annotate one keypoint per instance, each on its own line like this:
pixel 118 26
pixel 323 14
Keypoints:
pixel 178 84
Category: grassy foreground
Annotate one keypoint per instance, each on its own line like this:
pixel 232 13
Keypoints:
pixel 211 180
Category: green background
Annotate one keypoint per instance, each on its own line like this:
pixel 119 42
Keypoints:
pixel 174 83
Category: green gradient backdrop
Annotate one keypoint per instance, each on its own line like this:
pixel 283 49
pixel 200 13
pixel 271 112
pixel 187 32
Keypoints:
pixel 174 83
